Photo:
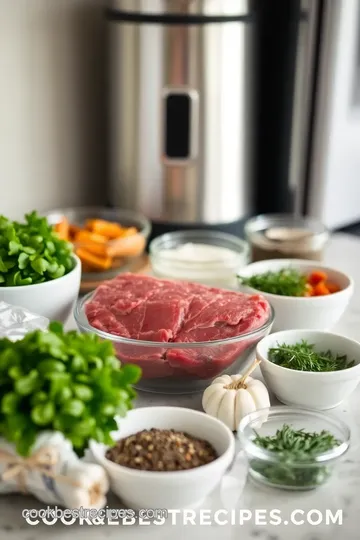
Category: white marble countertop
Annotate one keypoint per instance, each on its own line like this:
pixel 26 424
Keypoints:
pixel 341 494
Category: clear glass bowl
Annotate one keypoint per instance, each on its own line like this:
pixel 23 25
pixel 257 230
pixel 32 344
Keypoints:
pixel 122 261
pixel 269 468
pixel 309 245
pixel 208 359
pixel 216 272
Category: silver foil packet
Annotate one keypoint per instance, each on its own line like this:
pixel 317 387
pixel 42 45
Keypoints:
pixel 16 322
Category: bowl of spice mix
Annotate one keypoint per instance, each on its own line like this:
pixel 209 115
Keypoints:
pixel 166 457
pixel 303 294
pixel 293 449
pixel 308 368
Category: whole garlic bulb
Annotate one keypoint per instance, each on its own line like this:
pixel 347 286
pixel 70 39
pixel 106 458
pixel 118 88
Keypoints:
pixel 230 398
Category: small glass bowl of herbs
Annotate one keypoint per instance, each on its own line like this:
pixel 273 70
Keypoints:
pixel 293 449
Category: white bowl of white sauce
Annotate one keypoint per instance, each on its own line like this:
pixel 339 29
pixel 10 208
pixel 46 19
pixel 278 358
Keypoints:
pixel 207 257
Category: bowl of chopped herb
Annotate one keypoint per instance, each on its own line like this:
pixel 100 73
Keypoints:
pixel 308 368
pixel 293 449
pixel 38 270
pixel 303 295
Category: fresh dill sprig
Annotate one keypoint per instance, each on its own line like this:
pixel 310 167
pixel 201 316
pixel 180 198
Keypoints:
pixel 285 282
pixel 302 356
pixel 293 449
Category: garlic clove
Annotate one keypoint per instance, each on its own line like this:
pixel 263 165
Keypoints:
pixel 226 409
pixel 212 398
pixel 92 486
pixel 244 404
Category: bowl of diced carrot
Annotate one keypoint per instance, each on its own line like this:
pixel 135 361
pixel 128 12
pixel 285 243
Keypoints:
pixel 304 294
pixel 106 240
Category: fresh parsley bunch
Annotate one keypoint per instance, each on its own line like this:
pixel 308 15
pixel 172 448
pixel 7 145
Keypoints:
pixel 62 381
pixel 31 252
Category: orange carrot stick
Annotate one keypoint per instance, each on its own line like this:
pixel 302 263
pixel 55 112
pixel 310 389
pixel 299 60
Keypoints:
pixel 105 228
pixel 62 229
pixel 73 230
pixel 86 237
pixel 94 261
pixel 130 246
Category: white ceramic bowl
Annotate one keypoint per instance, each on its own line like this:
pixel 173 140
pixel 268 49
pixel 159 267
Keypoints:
pixel 54 299
pixel 168 490
pixel 320 391
pixel 313 313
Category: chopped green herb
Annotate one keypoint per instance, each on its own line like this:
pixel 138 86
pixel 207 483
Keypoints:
pixel 302 356
pixel 63 381
pixel 294 448
pixel 31 252
pixel 285 282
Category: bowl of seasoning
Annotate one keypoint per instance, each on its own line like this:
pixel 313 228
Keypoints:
pixel 276 236
pixel 293 449
pixel 207 257
pixel 304 295
pixel 326 365
pixel 166 457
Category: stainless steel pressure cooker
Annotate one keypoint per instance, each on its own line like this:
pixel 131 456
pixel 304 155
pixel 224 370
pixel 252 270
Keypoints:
pixel 181 112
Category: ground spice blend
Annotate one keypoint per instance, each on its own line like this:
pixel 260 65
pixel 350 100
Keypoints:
pixel 161 450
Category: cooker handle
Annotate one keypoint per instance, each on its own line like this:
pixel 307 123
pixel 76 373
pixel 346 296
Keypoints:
pixel 180 126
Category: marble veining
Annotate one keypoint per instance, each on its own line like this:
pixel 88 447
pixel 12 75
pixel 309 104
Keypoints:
pixel 340 494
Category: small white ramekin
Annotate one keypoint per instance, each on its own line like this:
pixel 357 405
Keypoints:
pixel 53 299
pixel 313 313
pixel 312 390
pixel 168 490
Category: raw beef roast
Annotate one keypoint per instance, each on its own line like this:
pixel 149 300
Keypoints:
pixel 153 310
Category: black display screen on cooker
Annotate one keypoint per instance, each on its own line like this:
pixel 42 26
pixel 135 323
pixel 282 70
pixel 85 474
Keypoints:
pixel 177 126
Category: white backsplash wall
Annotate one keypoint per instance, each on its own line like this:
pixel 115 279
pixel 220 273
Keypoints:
pixel 52 104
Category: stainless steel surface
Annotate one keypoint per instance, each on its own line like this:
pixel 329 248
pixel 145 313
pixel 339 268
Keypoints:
pixel 173 7
pixel 213 60
pixel 303 91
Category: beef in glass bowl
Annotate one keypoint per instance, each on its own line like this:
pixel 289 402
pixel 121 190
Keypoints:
pixel 181 334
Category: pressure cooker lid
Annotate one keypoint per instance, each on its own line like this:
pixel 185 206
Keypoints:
pixel 190 8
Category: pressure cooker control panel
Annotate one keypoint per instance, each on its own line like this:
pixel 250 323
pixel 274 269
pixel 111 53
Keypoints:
pixel 180 125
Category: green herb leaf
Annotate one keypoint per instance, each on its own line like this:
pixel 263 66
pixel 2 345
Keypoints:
pixel 285 282
pixel 43 413
pixel 302 356
pixel 73 407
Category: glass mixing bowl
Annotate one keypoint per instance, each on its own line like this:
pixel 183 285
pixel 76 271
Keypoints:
pixel 273 469
pixel 126 250
pixel 286 236
pixel 228 254
pixel 193 365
